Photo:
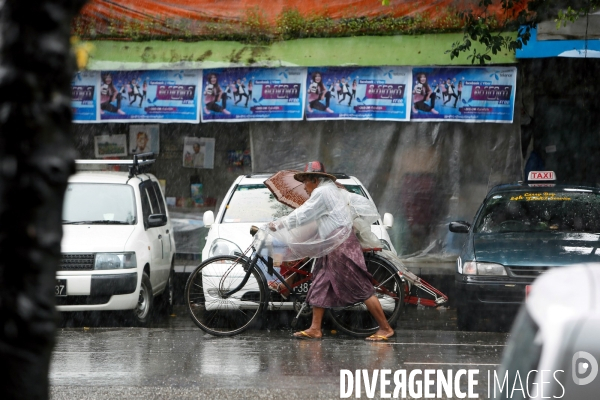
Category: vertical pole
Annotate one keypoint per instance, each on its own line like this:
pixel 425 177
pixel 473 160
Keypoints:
pixel 36 159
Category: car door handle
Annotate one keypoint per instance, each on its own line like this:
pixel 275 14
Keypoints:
pixel 160 236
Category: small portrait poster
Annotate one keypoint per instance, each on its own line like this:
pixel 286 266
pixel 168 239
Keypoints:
pixel 196 193
pixel 144 138
pixel 110 145
pixel 199 152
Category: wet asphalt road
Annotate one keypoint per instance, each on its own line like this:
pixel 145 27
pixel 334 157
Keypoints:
pixel 174 359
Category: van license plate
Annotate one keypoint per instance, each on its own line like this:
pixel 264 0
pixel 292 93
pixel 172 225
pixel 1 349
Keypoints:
pixel 61 288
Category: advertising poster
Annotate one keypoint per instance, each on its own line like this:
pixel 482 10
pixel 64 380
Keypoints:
pixel 149 96
pixel 84 99
pixel 465 94
pixel 198 152
pixel 144 138
pixel 358 93
pixel 252 94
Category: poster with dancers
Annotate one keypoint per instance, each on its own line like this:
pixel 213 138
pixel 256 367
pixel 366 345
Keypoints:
pixel 252 94
pixel 364 93
pixel 84 96
pixel 463 94
pixel 149 96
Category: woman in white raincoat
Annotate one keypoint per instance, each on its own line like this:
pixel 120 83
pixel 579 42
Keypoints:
pixel 322 227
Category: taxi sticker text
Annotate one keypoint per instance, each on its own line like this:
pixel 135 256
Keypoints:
pixel 545 196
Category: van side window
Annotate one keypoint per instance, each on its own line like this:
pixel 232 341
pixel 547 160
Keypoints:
pixel 159 197
pixel 149 202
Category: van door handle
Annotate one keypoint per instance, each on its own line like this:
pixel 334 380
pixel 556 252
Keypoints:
pixel 160 236
pixel 167 231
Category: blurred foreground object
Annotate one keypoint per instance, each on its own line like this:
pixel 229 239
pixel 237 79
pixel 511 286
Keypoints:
pixel 36 158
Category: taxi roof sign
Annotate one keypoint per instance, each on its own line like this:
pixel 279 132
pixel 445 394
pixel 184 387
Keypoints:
pixel 545 176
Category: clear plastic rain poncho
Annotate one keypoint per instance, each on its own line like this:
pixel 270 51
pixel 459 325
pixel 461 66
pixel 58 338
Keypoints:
pixel 321 224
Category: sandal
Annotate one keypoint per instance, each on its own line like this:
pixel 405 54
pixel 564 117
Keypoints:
pixel 379 338
pixel 302 335
pixel 279 288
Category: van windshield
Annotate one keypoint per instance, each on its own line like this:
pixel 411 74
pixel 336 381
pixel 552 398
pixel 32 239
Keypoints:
pixel 256 204
pixel 99 203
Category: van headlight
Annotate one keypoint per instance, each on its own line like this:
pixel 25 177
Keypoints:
pixel 115 261
pixel 385 245
pixel 222 247
pixel 483 268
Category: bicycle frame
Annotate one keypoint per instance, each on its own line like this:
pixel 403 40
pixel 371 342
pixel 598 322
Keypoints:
pixel 439 297
pixel 269 263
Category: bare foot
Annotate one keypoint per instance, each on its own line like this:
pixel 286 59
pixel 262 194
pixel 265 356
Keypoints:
pixel 433 110
pixel 414 110
pixel 121 112
pixel 329 110
pixel 309 109
pixel 226 112
pixel 206 110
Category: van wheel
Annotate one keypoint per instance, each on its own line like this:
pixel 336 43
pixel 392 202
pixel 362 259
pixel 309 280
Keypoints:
pixel 142 312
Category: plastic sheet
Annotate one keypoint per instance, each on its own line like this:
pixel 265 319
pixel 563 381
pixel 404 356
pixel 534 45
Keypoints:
pixel 426 175
pixel 189 233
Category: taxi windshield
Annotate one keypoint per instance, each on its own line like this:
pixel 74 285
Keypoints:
pixel 535 211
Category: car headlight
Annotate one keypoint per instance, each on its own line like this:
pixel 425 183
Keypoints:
pixel 115 261
pixel 222 247
pixel 483 268
pixel 385 245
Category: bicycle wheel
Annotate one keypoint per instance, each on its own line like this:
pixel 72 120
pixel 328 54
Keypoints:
pixel 206 304
pixel 355 319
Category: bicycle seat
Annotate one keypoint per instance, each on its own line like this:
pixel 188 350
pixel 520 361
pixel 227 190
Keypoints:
pixel 253 230
pixel 372 249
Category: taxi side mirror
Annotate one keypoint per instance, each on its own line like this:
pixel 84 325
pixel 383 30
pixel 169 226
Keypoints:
pixel 208 218
pixel 459 227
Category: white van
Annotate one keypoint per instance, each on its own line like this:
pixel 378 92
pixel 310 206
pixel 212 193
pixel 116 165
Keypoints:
pixel 117 246
pixel 248 202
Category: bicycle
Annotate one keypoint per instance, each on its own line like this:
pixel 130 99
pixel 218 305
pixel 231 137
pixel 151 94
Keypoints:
pixel 226 295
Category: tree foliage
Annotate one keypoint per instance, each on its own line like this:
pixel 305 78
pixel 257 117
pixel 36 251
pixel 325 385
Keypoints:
pixel 495 31
pixel 494 22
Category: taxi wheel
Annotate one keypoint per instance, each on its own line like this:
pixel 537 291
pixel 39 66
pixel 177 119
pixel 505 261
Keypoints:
pixel 142 313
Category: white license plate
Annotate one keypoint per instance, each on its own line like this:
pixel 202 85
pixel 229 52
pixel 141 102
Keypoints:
pixel 302 288
pixel 61 288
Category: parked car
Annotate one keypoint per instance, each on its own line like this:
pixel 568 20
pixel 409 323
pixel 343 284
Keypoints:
pixel 248 202
pixel 553 346
pixel 117 246
pixel 520 231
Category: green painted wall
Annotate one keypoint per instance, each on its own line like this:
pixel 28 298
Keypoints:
pixel 408 50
